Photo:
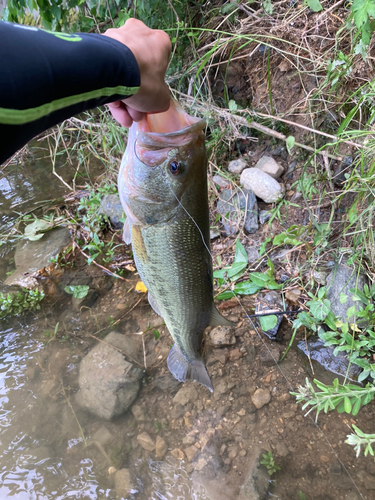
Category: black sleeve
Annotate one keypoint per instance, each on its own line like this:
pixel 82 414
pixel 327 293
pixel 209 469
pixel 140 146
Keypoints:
pixel 47 77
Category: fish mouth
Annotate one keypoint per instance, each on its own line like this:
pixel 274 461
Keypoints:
pixel 157 140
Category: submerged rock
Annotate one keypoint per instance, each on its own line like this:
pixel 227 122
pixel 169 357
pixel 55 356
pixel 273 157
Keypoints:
pixel 32 256
pixel 123 484
pixel 263 185
pixel 341 279
pixel 108 382
pixel 232 205
pixel 323 355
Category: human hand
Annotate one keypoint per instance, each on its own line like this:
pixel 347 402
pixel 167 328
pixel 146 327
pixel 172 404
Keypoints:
pixel 152 49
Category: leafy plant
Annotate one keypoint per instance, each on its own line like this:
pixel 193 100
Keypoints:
pixel 360 439
pixel 12 304
pixel 269 463
pixel 78 291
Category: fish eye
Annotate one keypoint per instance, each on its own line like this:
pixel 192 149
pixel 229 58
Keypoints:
pixel 175 167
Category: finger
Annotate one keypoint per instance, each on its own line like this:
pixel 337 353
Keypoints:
pixel 120 113
pixel 134 114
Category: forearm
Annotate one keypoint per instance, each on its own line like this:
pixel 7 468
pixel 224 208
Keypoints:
pixel 46 78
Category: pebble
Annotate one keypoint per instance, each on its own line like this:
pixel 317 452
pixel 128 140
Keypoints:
pixel 237 166
pixel 282 449
pixel 264 216
pixel 242 453
pixel 190 452
pixel 188 440
pixel 145 441
pixel 220 181
pixel 324 458
pixel 263 185
pixel 222 336
pixel 185 395
pixel 139 413
pixel 123 483
pixel 160 447
pixel 268 165
pixel 242 412
pixel 261 397
pixel 293 295
pixel 235 355
pixel 269 356
pixel 201 463
pixel 178 454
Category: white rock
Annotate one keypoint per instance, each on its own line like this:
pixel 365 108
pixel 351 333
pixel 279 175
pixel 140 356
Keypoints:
pixel 263 185
pixel 236 166
pixel 268 165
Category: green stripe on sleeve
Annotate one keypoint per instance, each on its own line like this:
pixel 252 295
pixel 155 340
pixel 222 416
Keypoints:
pixel 22 116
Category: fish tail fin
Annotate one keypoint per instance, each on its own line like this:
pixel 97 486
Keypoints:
pixel 218 320
pixel 182 370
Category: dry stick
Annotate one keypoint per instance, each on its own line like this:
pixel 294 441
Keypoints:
pixel 74 414
pixel 118 320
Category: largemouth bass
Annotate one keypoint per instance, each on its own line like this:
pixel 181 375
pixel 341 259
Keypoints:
pixel 163 189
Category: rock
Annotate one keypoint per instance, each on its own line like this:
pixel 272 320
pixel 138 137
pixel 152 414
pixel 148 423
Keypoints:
pixel 282 449
pixel 340 280
pixel 87 302
pixel 222 336
pixel 263 185
pixel 235 355
pixel 146 442
pixel 268 165
pixel 222 410
pixel 110 205
pixel 102 436
pixel 187 394
pixel 221 388
pixel 260 398
pixel 32 256
pixel 323 355
pixel 257 480
pixel 188 440
pixel 108 383
pixel 178 454
pixel 220 181
pixel 293 295
pixel 269 355
pixel 232 205
pixel 167 383
pixel 190 452
pixel 123 484
pixel 253 255
pixel 236 166
pixel 139 413
pixel 369 482
pixel 200 464
pixel 161 447
pixel 269 302
pixel 264 216
pixel 324 458
pixel 214 233
pixel 320 276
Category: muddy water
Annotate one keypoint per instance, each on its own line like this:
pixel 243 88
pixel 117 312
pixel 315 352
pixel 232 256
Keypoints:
pixel 52 449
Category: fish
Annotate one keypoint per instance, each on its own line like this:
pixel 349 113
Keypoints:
pixel 162 184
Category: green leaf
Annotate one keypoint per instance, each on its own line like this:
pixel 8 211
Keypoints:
pixel 343 298
pixel 260 279
pixel 268 322
pixel 319 309
pixel 247 288
pixel 356 407
pixel 156 334
pixel 315 5
pixel 232 106
pixel 240 254
pixel 236 270
pixel 347 405
pixel 226 295
pixel 321 292
pixel 290 143
pixel 78 291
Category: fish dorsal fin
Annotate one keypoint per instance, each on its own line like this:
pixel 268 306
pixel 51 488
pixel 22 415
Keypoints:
pixel 153 304
pixel 218 320
pixel 182 370
pixel 127 232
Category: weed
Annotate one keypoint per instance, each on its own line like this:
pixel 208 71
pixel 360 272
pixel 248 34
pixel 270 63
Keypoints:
pixel 78 291
pixel 269 462
pixel 13 304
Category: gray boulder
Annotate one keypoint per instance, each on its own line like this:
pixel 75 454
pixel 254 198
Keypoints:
pixel 268 165
pixel 109 383
pixel 232 205
pixel 339 281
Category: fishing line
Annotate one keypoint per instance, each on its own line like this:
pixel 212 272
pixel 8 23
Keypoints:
pixel 289 384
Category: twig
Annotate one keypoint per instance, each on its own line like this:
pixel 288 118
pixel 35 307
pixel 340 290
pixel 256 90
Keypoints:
pixel 74 414
pixel 99 265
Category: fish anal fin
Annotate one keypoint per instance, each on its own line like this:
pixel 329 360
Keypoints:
pixel 218 320
pixel 153 304
pixel 127 232
pixel 182 370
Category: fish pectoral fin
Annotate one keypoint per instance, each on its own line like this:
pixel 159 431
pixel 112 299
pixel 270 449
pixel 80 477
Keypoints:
pixel 153 304
pixel 127 232
pixel 182 370
pixel 218 320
